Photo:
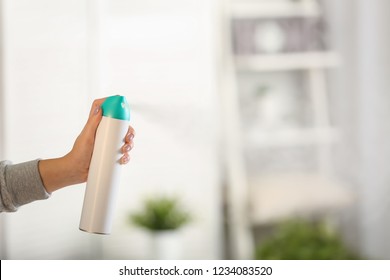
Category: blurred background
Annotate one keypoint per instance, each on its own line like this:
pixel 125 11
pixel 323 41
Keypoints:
pixel 261 125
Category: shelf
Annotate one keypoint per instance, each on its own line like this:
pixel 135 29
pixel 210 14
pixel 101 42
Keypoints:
pixel 279 196
pixel 273 8
pixel 288 61
pixel 291 137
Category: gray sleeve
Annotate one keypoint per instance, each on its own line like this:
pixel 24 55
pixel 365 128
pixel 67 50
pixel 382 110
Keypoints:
pixel 20 184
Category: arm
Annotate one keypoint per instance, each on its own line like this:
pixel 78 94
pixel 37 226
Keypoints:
pixel 19 184
pixel 26 182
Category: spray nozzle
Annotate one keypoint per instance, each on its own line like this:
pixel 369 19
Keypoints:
pixel 116 107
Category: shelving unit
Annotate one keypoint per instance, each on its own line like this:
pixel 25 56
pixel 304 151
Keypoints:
pixel 247 190
pixel 292 137
pixel 287 62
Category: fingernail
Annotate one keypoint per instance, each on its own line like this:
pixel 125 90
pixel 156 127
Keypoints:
pixel 125 159
pixel 130 137
pixel 96 110
pixel 128 148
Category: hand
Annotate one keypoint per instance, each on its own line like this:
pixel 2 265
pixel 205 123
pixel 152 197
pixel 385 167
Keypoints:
pixel 73 167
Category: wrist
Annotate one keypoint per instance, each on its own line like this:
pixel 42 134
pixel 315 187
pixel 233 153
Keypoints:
pixel 59 172
pixel 74 168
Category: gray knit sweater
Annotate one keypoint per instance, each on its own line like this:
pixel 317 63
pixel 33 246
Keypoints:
pixel 20 184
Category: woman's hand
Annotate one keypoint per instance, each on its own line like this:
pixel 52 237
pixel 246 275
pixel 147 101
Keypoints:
pixel 73 167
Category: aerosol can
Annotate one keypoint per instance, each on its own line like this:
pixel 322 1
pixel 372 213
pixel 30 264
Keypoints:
pixel 104 170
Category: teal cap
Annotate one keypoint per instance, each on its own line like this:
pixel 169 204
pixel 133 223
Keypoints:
pixel 116 107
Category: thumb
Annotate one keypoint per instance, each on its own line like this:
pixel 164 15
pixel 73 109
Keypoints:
pixel 95 116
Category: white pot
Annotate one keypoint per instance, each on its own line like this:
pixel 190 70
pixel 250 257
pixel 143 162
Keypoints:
pixel 166 245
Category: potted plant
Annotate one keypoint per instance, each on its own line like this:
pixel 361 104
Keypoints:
pixel 162 217
pixel 298 239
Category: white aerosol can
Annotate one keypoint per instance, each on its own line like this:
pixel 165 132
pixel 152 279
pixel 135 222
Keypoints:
pixel 104 170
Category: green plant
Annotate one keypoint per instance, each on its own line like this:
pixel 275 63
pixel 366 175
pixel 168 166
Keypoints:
pixel 303 240
pixel 160 213
pixel 262 90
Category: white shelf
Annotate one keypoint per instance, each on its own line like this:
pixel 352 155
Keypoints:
pixel 276 197
pixel 291 137
pixel 273 8
pixel 287 61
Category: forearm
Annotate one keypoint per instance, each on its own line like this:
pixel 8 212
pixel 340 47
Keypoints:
pixel 60 172
pixel 20 184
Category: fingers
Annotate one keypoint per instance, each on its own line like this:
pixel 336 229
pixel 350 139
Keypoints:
pixel 127 147
pixel 94 119
pixel 130 134
pixel 129 144
pixel 125 159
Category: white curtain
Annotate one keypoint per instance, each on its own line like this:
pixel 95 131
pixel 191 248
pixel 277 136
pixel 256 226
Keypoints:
pixel 58 57
pixel 361 30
